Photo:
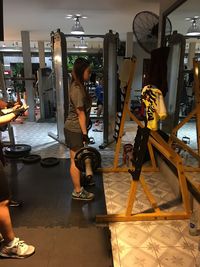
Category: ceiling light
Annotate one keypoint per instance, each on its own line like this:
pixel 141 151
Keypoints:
pixel 82 45
pixel 194 29
pixel 69 16
pixel 77 28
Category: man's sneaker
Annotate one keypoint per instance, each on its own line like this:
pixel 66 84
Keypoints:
pixel 13 203
pixel 82 195
pixel 18 250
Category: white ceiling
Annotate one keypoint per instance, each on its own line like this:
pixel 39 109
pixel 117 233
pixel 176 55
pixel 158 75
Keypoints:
pixel 40 17
pixel 190 8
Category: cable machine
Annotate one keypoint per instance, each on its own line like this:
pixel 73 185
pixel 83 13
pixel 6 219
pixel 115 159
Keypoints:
pixel 59 56
pixel 61 81
pixel 110 86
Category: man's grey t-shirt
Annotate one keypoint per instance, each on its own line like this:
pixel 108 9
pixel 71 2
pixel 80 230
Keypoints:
pixel 78 98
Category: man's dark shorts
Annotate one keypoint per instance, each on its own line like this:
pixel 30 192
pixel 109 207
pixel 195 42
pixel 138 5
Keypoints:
pixel 73 140
pixel 4 188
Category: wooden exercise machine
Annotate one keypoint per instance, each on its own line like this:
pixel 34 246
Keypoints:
pixel 195 113
pixel 155 140
pixel 150 139
pixel 129 72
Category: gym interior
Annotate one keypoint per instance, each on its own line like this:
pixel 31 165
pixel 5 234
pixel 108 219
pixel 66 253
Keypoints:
pixel 146 172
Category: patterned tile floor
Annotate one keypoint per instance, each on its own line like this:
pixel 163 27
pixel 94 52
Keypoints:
pixel 134 244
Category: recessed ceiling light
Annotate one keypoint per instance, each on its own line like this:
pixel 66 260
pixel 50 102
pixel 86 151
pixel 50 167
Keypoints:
pixel 69 16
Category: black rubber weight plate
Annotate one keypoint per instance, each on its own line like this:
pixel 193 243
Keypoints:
pixel 48 162
pixel 33 158
pixel 19 150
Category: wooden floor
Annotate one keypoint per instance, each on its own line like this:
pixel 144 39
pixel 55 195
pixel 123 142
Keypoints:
pixel 62 230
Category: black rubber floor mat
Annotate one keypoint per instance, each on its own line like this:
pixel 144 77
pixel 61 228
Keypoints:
pixel 63 230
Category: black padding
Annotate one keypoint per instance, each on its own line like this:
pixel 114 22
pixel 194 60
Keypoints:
pixel 63 230
pixel 139 151
pixel 33 158
pixel 49 162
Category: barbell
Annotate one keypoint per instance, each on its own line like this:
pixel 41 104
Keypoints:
pixel 87 160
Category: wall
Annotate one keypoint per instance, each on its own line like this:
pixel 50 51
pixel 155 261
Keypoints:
pixel 140 54
pixel 19 59
pixel 165 4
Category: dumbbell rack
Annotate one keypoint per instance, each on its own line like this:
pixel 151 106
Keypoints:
pixel 157 141
pixel 195 113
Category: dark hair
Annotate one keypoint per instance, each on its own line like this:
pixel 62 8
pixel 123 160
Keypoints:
pixel 80 65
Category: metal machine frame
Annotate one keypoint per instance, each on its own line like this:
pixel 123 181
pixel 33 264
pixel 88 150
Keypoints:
pixel 61 82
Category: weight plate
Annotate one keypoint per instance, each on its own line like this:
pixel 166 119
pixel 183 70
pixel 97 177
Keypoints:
pixel 49 162
pixel 31 158
pixel 87 152
pixel 16 151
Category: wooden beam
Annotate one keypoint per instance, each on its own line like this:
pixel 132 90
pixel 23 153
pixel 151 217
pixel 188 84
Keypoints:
pixel 177 215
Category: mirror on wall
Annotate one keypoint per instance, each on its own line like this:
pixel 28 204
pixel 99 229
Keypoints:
pixel 182 19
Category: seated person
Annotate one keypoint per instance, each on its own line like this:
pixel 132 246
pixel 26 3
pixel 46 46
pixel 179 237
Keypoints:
pixel 10 114
pixel 10 245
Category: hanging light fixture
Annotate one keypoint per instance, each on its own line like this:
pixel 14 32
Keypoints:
pixel 77 28
pixel 83 44
pixel 194 29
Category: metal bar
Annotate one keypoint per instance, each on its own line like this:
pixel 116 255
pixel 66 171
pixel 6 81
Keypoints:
pixel 85 35
pixel 1 21
pixel 125 169
pixel 19 79
pixel 186 147
pixel 184 121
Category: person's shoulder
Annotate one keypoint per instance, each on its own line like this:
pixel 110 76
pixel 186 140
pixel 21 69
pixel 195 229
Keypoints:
pixel 76 89
pixel 76 85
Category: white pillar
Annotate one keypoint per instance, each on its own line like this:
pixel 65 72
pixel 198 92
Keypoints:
pixel 129 44
pixel 26 50
pixel 191 55
pixel 41 54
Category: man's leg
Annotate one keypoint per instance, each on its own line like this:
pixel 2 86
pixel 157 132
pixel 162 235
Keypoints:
pixel 11 246
pixel 5 222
